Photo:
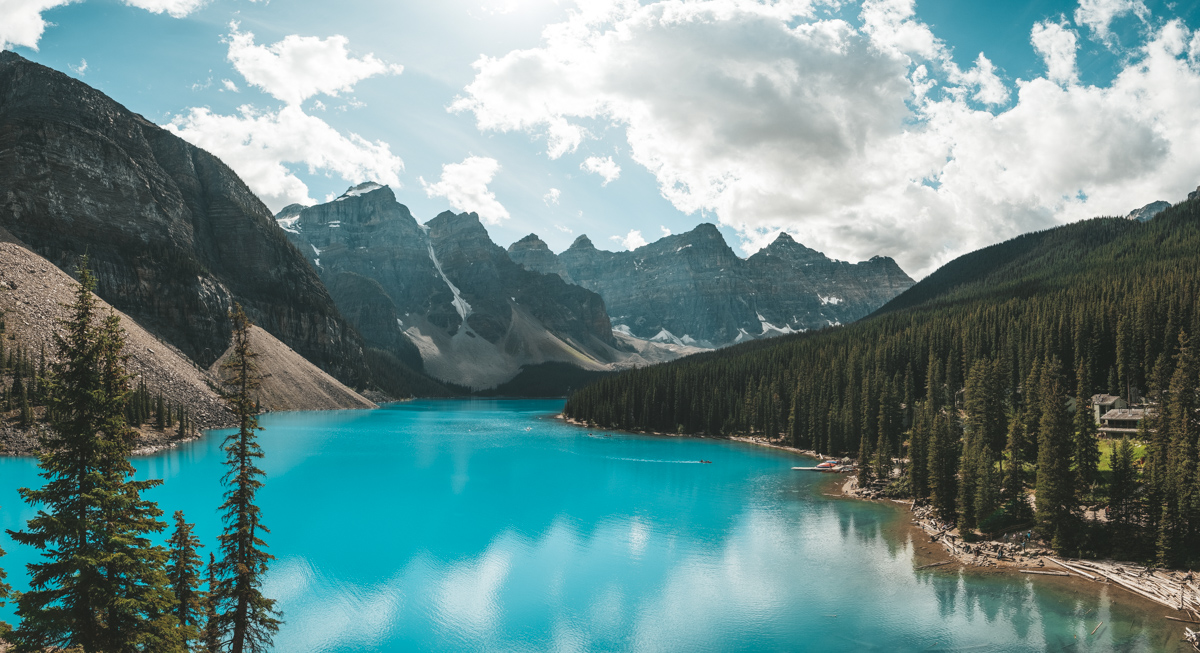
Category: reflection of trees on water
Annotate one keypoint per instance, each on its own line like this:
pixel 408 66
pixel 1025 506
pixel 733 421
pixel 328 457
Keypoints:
pixel 866 526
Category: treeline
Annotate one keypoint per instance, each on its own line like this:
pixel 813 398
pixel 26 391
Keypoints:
pixel 101 584
pixel 979 387
pixel 23 389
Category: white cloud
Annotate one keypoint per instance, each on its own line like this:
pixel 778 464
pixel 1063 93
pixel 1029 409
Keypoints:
pixel 174 8
pixel 1098 15
pixel 299 67
pixel 228 85
pixel 465 186
pixel 23 23
pixel 565 230
pixel 1057 45
pixel 552 196
pixel 860 139
pixel 606 168
pixel 258 145
pixel 631 240
pixel 81 69
pixel 665 232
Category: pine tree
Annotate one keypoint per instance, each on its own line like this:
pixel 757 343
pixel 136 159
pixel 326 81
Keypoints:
pixel 918 453
pixel 943 467
pixel 987 488
pixel 1016 502
pixel 1086 446
pixel 866 471
pixel 1123 487
pixel 210 639
pixel 246 620
pixel 1180 521
pixel 26 417
pixel 101 584
pixel 1055 495
pixel 183 572
pixel 968 483
pixel 4 590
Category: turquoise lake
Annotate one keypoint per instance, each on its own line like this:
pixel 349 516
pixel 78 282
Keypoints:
pixel 492 526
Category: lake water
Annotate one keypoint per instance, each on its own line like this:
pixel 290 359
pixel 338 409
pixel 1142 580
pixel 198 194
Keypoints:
pixel 491 526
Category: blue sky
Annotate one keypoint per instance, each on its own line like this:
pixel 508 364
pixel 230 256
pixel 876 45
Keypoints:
pixel 806 116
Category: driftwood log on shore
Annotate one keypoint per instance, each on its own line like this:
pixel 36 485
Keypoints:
pixel 1175 589
pixel 1192 637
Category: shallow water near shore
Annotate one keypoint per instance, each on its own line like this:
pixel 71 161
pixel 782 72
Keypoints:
pixel 489 525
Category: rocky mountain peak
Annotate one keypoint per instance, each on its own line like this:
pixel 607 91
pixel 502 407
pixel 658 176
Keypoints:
pixel 365 188
pixel 532 241
pixel 786 246
pixel 582 242
pixel 1147 213
pixel 174 235
pixel 533 253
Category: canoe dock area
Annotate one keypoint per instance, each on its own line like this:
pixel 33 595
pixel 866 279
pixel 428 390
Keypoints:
pixel 840 469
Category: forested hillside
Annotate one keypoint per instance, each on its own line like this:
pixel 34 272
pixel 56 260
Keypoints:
pixel 973 375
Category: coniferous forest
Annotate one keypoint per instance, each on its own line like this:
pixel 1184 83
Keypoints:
pixel 973 390
pixel 102 584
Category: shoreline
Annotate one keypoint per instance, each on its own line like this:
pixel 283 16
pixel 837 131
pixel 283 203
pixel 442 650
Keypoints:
pixel 940 550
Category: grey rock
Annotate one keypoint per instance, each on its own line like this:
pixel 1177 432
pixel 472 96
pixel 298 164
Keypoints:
pixel 694 289
pixel 172 233
pixel 1147 213
pixel 394 277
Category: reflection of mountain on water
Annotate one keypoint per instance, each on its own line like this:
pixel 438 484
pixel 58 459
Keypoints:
pixel 450 526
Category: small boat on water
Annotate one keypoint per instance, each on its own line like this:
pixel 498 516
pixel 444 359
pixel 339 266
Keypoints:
pixel 706 462
pixel 828 464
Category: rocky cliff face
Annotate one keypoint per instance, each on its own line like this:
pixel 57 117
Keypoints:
pixel 173 234
pixel 692 289
pixel 1147 213
pixel 443 294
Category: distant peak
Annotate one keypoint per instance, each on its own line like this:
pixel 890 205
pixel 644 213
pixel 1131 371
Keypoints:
pixel 583 242
pixel 290 211
pixel 784 243
pixel 1146 213
pixel 362 189
pixel 531 238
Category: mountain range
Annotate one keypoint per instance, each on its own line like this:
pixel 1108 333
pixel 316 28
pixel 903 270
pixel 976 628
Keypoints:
pixel 692 289
pixel 361 288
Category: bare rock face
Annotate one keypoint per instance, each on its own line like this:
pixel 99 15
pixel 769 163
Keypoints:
pixel 692 289
pixel 533 253
pixel 172 233
pixel 1147 213
pixel 443 296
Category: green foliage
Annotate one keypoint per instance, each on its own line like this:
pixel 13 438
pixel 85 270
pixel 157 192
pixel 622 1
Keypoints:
pixel 101 584
pixel 246 621
pixel 5 588
pixel 1056 502
pixel 183 573
pixel 1105 298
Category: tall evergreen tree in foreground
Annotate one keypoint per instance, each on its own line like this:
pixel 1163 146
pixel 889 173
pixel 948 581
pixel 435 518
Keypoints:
pixel 246 621
pixel 101 585
pixel 1056 505
pixel 210 638
pixel 183 571
pixel 4 590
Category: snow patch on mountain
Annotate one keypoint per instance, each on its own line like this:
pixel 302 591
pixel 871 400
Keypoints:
pixel 361 189
pixel 289 224
pixel 460 304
